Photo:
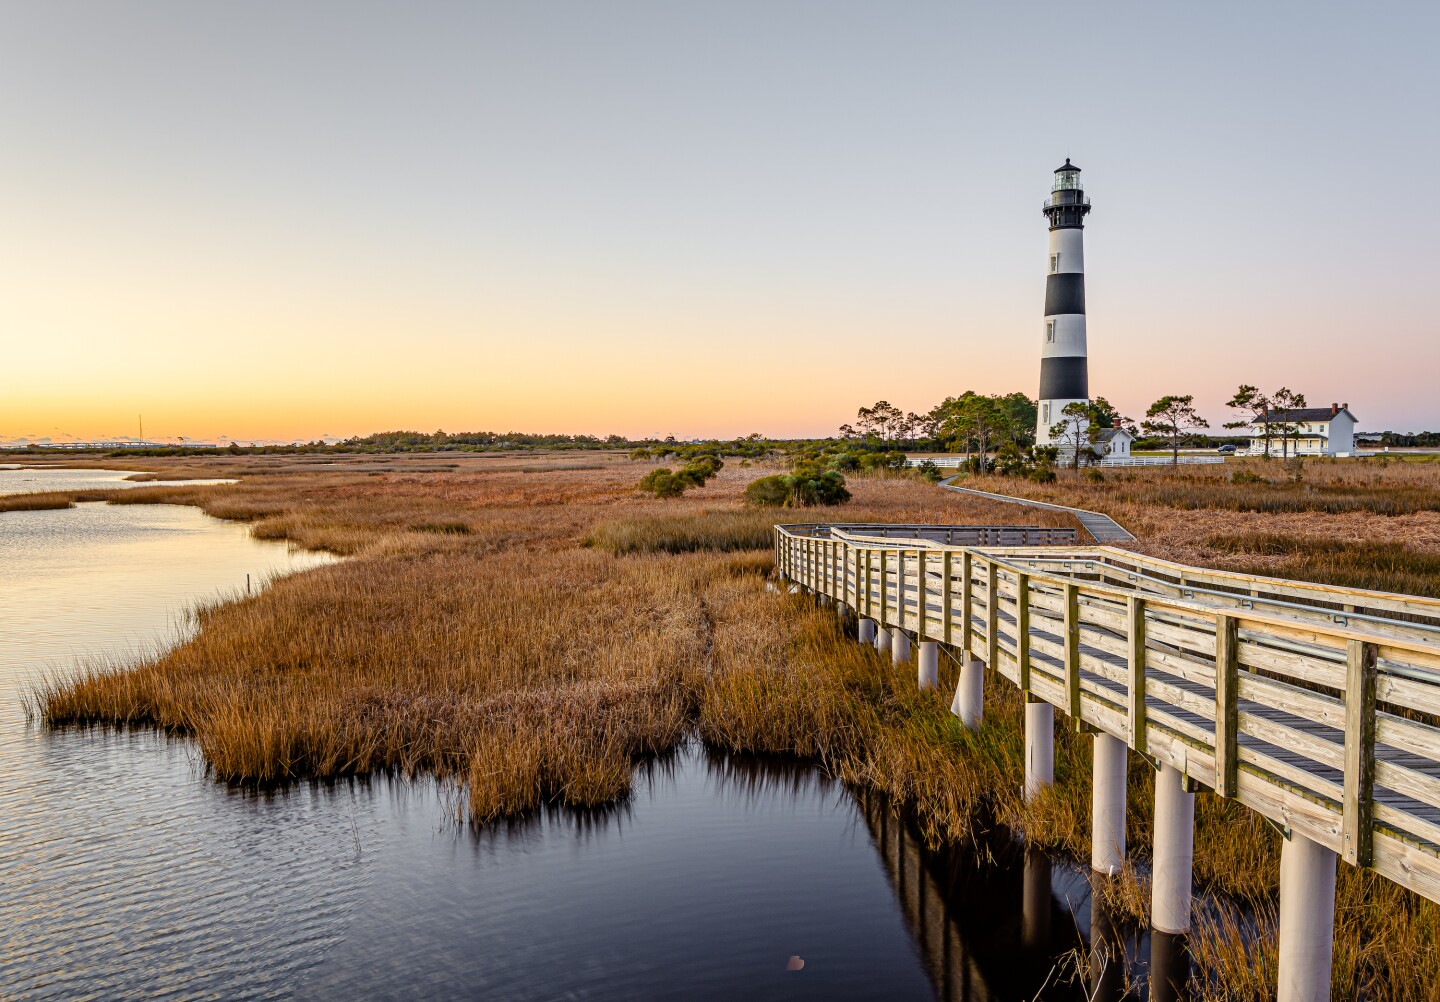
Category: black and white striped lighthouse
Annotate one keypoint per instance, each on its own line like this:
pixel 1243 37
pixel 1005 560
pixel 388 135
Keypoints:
pixel 1064 377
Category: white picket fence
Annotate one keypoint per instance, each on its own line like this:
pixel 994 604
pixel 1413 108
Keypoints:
pixel 955 462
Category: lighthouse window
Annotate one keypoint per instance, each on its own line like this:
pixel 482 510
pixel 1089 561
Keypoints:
pixel 1046 417
pixel 1050 330
pixel 1054 264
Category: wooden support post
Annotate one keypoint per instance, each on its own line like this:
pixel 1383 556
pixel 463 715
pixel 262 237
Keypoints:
pixel 884 593
pixel 1359 805
pixel 922 595
pixel 1022 632
pixel 900 588
pixel 1227 714
pixel 946 593
pixel 967 589
pixel 870 583
pixel 858 559
pixel 1135 647
pixel 1072 649
pixel 992 615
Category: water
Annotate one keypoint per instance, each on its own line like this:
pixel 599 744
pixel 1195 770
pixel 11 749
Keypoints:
pixel 126 872
pixel 16 479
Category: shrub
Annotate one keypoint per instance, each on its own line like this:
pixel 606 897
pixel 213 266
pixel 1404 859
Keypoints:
pixel 808 485
pixel 1095 476
pixel 772 492
pixel 1243 476
pixel 929 471
pixel 699 470
pixel 663 483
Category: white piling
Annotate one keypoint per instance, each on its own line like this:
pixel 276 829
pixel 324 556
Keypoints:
pixel 1107 804
pixel 882 639
pixel 1174 852
pixel 969 702
pixel 900 647
pixel 1307 920
pixel 1039 746
pixel 929 664
pixel 865 632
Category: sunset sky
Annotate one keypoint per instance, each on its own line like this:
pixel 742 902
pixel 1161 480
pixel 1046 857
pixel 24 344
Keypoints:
pixel 282 220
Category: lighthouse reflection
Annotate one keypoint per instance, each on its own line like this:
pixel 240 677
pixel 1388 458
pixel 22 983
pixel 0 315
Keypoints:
pixel 1005 921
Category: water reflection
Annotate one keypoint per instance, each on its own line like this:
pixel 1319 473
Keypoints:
pixel 16 479
pixel 1004 921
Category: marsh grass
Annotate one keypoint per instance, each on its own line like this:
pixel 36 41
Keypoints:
pixel 37 501
pixel 532 671
pixel 702 530
pixel 1380 566
pixel 451 527
pixel 51 500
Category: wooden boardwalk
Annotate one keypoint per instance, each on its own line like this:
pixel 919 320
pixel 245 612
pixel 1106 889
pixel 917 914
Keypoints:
pixel 1317 707
pixel 1104 528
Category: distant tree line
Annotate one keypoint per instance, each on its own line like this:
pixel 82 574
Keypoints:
pixel 1418 440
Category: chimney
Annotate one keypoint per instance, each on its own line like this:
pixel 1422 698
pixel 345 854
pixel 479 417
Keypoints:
pixel 1344 407
pixel 1334 409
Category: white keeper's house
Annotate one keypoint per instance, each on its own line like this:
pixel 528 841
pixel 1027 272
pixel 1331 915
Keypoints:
pixel 1113 443
pixel 1311 431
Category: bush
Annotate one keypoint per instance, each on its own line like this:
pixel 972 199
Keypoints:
pixel 772 492
pixel 1043 474
pixel 929 471
pixel 1095 476
pixel 808 485
pixel 811 486
pixel 663 483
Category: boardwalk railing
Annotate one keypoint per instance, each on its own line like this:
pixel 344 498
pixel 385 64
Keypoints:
pixel 1316 706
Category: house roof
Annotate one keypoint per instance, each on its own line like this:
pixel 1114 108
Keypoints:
pixel 1304 414
pixel 1106 434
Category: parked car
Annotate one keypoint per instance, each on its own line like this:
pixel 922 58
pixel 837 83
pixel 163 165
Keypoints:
pixel 1227 449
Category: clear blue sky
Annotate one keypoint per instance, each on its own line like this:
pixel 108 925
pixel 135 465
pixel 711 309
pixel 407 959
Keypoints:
pixel 277 219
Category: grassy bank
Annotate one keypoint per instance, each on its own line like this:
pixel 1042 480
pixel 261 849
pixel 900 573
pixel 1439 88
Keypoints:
pixel 531 633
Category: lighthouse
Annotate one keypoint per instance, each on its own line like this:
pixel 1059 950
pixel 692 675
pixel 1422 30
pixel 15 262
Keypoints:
pixel 1064 377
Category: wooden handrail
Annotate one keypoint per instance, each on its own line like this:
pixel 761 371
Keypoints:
pixel 1328 728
